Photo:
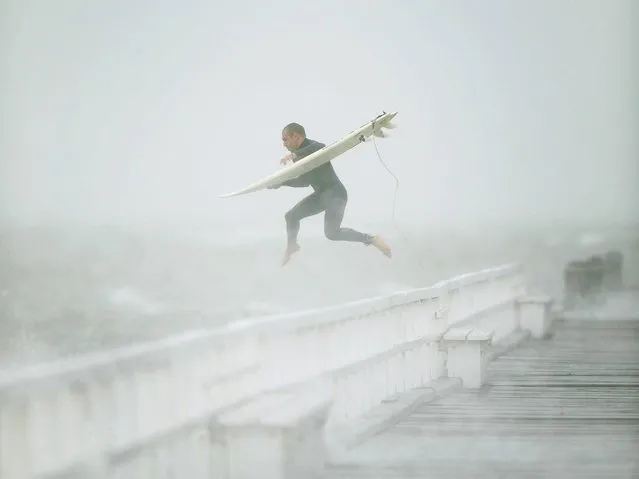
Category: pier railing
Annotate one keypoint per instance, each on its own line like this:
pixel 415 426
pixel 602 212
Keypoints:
pixel 256 397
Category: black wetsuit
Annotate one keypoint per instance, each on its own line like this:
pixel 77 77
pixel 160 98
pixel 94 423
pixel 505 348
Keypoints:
pixel 329 196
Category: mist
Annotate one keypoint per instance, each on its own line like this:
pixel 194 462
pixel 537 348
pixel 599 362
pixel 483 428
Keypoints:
pixel 122 112
pixel 138 115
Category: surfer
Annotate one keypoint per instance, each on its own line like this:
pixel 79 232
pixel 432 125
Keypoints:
pixel 329 195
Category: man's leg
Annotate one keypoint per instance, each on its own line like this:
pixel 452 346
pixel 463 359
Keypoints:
pixel 309 206
pixel 335 204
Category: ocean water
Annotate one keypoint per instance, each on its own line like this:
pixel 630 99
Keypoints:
pixel 68 291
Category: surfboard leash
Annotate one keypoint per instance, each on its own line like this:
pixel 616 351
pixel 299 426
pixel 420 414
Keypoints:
pixel 393 215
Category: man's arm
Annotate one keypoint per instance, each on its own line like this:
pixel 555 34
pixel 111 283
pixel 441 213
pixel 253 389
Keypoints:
pixel 307 150
pixel 299 182
pixel 302 181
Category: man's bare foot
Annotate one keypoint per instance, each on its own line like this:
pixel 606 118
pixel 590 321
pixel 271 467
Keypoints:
pixel 381 245
pixel 289 252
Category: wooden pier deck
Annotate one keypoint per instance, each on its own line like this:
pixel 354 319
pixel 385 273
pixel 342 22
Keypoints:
pixel 563 407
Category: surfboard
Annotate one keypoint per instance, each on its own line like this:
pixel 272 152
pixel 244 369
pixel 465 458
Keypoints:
pixel 329 152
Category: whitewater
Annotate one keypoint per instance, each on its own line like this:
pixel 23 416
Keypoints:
pixel 65 291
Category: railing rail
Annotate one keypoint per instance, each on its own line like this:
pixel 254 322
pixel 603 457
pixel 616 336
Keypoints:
pixel 56 416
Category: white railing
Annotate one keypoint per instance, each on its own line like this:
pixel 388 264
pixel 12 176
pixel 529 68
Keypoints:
pixel 161 407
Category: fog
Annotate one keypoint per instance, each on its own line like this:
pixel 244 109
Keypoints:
pixel 139 110
pixel 139 114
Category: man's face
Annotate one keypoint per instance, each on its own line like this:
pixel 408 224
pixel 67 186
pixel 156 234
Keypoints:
pixel 291 141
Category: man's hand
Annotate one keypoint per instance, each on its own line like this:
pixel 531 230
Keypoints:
pixel 287 159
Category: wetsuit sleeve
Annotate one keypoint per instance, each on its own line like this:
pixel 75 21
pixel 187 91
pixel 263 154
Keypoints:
pixel 307 150
pixel 304 180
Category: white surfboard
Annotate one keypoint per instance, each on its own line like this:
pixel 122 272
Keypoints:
pixel 326 154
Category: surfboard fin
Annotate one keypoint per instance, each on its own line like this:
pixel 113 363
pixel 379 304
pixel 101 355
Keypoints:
pixel 390 125
pixel 381 134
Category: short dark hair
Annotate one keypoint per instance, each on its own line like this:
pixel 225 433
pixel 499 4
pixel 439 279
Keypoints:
pixel 295 128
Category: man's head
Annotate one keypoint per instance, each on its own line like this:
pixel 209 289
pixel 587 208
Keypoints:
pixel 293 135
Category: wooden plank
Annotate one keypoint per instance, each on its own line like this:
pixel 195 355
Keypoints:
pixel 565 407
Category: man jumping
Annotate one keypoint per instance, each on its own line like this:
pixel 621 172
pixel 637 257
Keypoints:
pixel 329 196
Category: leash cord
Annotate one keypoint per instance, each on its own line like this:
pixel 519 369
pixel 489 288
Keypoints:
pixel 393 215
pixel 390 172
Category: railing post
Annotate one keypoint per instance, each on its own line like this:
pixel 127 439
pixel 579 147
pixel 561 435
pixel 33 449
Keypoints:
pixel 467 356
pixel 279 436
pixel 534 315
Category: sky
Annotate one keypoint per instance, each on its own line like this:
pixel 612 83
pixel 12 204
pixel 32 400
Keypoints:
pixel 125 111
